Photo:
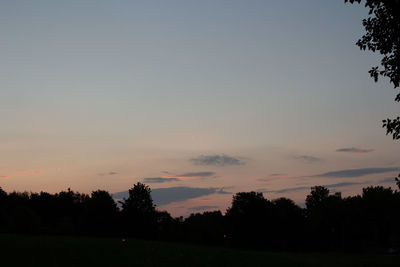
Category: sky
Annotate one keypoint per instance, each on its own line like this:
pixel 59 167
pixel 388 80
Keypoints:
pixel 197 99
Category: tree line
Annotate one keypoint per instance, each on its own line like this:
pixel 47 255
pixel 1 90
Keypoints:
pixel 370 221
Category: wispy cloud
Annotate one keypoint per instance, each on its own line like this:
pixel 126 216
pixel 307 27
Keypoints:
pixel 302 188
pixel 203 208
pixel 179 177
pixel 387 180
pixel 307 158
pixel 272 176
pixel 197 174
pixel 190 175
pixel 159 180
pixel 354 150
pixel 108 173
pixel 344 184
pixel 285 190
pixel 222 191
pixel 346 173
pixel 4 176
pixel 356 172
pixel 217 160
pixel 277 174
pixel 163 196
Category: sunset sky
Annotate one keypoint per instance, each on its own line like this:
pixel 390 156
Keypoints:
pixel 197 99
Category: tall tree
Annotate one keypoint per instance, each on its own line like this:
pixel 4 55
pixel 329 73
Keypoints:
pixel 138 211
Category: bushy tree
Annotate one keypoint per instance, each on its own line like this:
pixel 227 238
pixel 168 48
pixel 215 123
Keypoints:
pixel 288 224
pixel 249 220
pixel 101 204
pixel 381 214
pixel 324 218
pixel 69 210
pixel 100 213
pixel 138 211
pixel 317 197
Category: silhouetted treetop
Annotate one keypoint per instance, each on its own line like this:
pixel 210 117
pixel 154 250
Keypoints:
pixel 2 193
pixel 317 196
pixel 364 222
pixel 139 215
pixel 139 200
pixel 102 202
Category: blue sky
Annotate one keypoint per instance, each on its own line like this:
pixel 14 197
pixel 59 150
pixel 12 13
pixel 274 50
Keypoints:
pixel 102 94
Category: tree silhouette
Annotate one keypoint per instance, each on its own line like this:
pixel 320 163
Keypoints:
pixel 383 36
pixel 167 228
pixel 46 207
pixel 324 218
pixel 138 211
pixel 3 202
pixel 288 224
pixel 2 193
pixel 21 217
pixel 316 199
pixel 100 212
pixel 398 181
pixel 329 222
pixel 381 207
pixel 206 227
pixel 249 220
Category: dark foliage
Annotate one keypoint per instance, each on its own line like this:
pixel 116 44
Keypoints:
pixel 100 213
pixel 249 220
pixel 329 222
pixel 206 227
pixel 289 223
pixel 383 35
pixel 138 212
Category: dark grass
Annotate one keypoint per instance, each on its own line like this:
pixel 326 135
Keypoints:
pixel 81 251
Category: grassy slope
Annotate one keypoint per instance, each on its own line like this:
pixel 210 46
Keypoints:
pixel 68 251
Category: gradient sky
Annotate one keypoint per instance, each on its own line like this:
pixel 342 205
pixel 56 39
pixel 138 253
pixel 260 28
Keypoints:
pixel 206 98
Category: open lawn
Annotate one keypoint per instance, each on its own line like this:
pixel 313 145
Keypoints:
pixel 79 251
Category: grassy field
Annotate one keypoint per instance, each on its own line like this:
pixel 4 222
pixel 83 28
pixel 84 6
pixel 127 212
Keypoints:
pixel 68 251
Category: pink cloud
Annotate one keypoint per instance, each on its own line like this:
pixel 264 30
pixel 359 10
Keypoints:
pixel 273 176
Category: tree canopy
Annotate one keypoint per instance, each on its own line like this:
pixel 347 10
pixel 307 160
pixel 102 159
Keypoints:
pixel 138 211
pixel 367 222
